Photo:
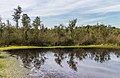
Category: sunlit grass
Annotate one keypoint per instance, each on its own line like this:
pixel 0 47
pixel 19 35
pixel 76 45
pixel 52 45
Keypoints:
pixel 81 46
pixel 3 64
pixel 2 56
pixel 9 67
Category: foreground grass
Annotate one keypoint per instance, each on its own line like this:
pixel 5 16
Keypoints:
pixel 50 47
pixel 2 56
pixel 9 67
pixel 2 65
pixel 5 64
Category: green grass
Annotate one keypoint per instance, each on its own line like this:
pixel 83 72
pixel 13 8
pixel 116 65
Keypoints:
pixel 50 47
pixel 9 67
pixel 3 64
pixel 2 56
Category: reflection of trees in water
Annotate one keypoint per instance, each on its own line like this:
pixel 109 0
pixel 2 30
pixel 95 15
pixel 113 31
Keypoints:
pixel 59 57
pixel 61 54
pixel 36 58
pixel 72 63
pixel 99 55
pixel 117 53
pixel 30 58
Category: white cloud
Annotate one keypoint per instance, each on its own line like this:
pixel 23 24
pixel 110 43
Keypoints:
pixel 106 9
pixel 57 7
pixel 7 6
pixel 93 20
pixel 48 8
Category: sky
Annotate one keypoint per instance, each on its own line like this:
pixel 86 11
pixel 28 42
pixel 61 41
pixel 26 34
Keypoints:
pixel 55 12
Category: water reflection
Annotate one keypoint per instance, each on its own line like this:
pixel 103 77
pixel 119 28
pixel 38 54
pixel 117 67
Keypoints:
pixel 34 59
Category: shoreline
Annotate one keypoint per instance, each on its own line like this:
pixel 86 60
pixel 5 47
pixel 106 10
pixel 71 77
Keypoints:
pixel 59 47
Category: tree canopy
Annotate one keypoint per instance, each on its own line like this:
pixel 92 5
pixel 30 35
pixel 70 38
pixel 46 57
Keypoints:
pixel 35 33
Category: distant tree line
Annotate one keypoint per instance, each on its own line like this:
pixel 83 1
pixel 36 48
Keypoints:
pixel 35 33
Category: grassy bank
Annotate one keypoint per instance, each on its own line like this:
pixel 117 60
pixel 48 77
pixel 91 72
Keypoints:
pixel 9 67
pixel 50 47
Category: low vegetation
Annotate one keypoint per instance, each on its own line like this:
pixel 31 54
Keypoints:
pixel 55 47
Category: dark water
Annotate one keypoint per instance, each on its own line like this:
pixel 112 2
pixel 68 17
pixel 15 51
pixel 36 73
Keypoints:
pixel 69 63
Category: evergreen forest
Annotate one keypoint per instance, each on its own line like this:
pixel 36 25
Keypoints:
pixel 27 32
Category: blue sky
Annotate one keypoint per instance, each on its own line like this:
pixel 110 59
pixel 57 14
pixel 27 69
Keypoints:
pixel 55 12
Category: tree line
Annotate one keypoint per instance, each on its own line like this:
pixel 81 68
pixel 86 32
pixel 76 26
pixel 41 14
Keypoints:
pixel 35 33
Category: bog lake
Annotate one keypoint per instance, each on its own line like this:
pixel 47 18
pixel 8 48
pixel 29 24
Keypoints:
pixel 62 63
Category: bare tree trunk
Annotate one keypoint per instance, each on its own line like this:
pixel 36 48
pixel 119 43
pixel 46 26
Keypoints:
pixel 26 35
pixel 17 24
